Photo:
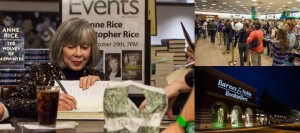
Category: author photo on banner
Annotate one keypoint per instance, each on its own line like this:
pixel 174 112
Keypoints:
pixel 132 65
pixel 112 65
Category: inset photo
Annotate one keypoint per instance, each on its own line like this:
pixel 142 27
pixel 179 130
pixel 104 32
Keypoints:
pixel 132 65
pixel 112 65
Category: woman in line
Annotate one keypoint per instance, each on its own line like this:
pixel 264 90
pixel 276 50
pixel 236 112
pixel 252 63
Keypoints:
pixel 73 56
pixel 280 49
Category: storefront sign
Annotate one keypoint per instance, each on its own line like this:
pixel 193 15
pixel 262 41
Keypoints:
pixel 120 26
pixel 234 92
pixel 11 46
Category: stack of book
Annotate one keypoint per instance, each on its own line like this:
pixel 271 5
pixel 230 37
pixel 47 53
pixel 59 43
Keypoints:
pixel 161 65
pixel 36 56
pixel 11 76
pixel 176 46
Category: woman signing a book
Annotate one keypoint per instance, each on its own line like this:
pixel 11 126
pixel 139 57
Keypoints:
pixel 73 56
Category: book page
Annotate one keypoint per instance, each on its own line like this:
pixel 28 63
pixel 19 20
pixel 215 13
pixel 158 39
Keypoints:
pixel 89 100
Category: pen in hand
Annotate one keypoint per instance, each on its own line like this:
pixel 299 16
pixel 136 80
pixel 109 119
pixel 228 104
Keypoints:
pixel 62 87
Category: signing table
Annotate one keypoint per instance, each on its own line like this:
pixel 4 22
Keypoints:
pixel 83 126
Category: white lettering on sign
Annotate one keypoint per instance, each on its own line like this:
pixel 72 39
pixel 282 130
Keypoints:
pixel 234 92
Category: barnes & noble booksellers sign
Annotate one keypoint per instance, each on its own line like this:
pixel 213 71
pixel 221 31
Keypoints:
pixel 234 91
pixel 11 46
pixel 120 26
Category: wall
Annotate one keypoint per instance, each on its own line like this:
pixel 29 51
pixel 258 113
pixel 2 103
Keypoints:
pixel 168 21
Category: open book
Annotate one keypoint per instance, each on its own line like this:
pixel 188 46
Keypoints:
pixel 89 101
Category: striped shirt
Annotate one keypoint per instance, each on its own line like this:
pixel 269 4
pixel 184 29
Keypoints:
pixel 279 59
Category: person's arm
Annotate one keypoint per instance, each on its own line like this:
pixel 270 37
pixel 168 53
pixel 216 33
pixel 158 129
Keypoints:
pixel 250 38
pixel 4 113
pixel 23 101
pixel 187 114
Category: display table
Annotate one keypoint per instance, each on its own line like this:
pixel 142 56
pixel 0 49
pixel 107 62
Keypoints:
pixel 91 126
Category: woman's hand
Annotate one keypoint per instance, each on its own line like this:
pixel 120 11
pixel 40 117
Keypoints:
pixel 87 81
pixel 66 102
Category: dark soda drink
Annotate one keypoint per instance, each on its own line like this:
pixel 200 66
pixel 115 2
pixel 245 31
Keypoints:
pixel 47 105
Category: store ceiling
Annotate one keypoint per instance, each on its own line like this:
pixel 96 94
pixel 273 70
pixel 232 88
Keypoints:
pixel 244 6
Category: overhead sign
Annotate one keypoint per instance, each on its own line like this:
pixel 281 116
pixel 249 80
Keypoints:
pixel 234 91
pixel 121 29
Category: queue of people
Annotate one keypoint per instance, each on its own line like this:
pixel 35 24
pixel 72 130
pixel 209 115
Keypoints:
pixel 244 32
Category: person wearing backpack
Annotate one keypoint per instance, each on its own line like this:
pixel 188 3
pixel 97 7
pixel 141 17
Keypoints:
pixel 256 51
pixel 280 49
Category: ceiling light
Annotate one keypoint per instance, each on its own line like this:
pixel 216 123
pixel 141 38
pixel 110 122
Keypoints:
pixel 289 2
pixel 254 0
pixel 237 1
pixel 203 5
pixel 213 4
pixel 241 5
pixel 254 4
pixel 224 3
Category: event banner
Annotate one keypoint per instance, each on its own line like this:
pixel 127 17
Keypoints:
pixel 120 27
pixel 11 46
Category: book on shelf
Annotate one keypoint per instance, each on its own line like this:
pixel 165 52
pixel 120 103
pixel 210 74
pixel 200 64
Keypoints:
pixel 164 66
pixel 176 46
pixel 169 41
pixel 163 72
pixel 179 62
pixel 179 54
pixel 158 49
pixel 161 59
pixel 179 58
pixel 163 54
pixel 177 50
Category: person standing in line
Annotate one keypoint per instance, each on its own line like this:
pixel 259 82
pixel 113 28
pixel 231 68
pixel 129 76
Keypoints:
pixel 255 53
pixel 243 47
pixel 228 30
pixel 213 30
pixel 280 49
pixel 290 34
pixel 204 29
pixel 238 26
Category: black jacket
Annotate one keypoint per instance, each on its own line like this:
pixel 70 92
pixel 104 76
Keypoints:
pixel 23 102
